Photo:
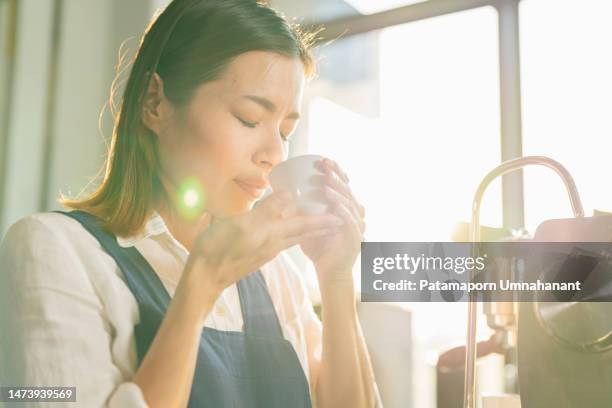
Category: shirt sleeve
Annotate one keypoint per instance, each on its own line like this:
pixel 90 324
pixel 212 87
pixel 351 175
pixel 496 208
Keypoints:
pixel 53 326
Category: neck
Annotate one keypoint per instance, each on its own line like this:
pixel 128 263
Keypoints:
pixel 183 230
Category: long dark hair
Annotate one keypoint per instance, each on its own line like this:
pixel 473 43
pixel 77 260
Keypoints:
pixel 189 43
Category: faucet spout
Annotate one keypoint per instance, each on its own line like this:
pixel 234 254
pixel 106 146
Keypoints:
pixel 505 167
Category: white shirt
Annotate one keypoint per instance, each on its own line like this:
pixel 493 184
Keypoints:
pixel 67 316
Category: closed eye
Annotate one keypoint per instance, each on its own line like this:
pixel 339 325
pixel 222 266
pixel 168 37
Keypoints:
pixel 254 124
pixel 247 123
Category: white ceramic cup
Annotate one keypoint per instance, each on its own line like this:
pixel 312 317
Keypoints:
pixel 300 176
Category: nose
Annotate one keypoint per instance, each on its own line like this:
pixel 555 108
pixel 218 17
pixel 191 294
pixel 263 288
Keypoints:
pixel 272 151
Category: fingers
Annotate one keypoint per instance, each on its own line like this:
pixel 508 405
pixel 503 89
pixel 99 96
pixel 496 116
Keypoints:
pixel 300 225
pixel 291 241
pixel 280 226
pixel 339 186
pixel 279 204
pixel 332 165
pixel 338 198
pixel 340 183
pixel 342 203
pixel 352 225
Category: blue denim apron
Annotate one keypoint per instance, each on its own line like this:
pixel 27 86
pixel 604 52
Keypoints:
pixel 254 368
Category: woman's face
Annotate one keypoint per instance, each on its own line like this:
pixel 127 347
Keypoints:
pixel 233 132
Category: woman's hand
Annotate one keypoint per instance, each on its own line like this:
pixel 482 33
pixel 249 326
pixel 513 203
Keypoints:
pixel 345 373
pixel 334 255
pixel 233 247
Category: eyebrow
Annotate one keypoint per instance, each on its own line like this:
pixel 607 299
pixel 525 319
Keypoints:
pixel 269 105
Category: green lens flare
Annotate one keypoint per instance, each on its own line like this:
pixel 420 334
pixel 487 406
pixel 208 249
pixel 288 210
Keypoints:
pixel 191 198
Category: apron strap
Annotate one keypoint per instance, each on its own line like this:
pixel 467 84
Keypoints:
pixel 257 308
pixel 150 293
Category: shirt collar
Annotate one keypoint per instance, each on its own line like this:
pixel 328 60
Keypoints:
pixel 154 225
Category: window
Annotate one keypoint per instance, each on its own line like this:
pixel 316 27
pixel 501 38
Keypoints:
pixel 437 131
pixel 567 100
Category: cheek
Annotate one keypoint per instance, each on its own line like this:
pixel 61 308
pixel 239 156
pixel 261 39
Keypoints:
pixel 214 149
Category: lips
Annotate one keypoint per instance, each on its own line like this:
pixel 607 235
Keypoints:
pixel 254 188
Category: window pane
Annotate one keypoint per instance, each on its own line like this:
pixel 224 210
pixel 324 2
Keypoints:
pixel 567 100
pixel 412 114
pixel 417 156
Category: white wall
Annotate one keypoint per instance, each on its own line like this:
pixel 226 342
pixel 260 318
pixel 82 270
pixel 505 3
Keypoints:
pixel 91 32
pixel 26 109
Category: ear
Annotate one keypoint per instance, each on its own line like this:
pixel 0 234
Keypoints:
pixel 155 105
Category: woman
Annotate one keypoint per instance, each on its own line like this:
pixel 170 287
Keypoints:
pixel 138 299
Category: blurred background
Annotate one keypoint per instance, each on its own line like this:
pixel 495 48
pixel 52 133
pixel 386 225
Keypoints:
pixel 417 101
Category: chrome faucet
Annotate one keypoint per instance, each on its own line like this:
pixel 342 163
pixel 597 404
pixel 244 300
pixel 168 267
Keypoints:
pixel 506 167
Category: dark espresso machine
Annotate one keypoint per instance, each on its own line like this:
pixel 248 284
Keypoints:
pixel 564 348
